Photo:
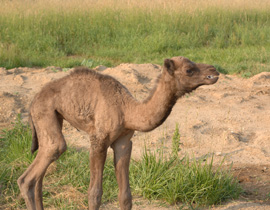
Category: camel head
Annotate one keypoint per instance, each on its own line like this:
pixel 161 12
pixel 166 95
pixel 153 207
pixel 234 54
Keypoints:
pixel 188 75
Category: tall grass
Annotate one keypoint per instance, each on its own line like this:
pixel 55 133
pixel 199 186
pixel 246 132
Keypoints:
pixel 172 180
pixel 232 35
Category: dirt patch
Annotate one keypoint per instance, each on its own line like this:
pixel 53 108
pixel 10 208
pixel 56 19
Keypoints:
pixel 228 120
pixel 256 182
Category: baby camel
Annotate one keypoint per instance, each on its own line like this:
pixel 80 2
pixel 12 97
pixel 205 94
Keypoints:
pixel 104 108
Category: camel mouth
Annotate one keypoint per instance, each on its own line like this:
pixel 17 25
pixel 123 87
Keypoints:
pixel 210 77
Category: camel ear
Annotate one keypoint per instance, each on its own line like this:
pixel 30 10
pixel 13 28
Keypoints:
pixel 169 65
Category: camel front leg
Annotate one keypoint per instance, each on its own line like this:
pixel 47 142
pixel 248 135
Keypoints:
pixel 97 161
pixel 122 152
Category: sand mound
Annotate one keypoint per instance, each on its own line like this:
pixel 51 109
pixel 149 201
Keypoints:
pixel 138 78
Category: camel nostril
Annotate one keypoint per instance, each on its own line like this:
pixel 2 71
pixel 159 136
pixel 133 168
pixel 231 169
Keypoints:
pixel 210 77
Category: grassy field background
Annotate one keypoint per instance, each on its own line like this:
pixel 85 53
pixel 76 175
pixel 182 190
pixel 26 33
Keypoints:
pixel 232 35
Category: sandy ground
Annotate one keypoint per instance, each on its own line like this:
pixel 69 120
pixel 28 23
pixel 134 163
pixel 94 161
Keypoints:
pixel 228 120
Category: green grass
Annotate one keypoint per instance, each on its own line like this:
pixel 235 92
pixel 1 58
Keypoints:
pixel 173 180
pixel 236 40
pixel 176 141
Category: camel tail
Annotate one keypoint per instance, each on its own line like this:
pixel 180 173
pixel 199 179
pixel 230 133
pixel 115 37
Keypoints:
pixel 34 135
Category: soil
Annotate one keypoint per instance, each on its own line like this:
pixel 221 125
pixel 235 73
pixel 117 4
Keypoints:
pixel 229 120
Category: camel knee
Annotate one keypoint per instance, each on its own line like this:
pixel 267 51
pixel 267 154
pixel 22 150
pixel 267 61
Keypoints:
pixel 94 197
pixel 125 200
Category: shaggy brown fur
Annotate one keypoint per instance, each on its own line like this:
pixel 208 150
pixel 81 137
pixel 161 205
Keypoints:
pixel 104 108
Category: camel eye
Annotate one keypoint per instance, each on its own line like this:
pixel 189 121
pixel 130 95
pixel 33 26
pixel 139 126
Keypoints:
pixel 189 71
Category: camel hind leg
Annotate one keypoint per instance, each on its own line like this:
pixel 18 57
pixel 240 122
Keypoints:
pixel 51 146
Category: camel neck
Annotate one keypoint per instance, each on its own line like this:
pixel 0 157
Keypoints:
pixel 156 108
